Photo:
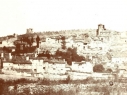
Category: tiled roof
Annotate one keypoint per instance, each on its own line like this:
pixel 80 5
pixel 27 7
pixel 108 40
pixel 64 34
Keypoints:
pixel 37 58
pixel 57 62
pixel 7 61
pixel 79 62
pixel 21 62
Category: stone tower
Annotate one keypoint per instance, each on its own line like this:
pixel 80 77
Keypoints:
pixel 101 28
pixel 30 30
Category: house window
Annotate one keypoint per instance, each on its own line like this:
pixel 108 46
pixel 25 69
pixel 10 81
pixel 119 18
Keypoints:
pixel 35 70
pixel 85 43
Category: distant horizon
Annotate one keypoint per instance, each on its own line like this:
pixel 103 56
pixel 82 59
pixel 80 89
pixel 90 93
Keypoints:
pixel 46 15
pixel 59 31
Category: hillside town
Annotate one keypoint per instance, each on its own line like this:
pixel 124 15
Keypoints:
pixel 56 54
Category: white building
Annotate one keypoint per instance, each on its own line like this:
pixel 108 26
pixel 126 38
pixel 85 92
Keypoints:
pixel 82 67
pixel 37 66
pixel 7 65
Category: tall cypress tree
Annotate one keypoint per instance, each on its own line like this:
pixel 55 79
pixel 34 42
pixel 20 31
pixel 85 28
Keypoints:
pixel 37 40
pixel 63 42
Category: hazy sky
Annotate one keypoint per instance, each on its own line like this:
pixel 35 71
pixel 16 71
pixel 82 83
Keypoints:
pixel 46 15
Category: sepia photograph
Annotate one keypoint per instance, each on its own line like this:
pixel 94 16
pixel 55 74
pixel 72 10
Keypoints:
pixel 63 47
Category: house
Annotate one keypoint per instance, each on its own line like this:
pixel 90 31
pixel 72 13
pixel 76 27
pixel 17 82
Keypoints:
pixel 32 66
pixel 86 67
pixel 7 43
pixel 75 66
pixel 98 44
pixel 122 70
pixel 51 40
pixel 119 57
pixel 60 67
pixel 22 67
pixel 37 65
pixel 7 65
pixel 79 45
pixel 82 67
pixel 57 67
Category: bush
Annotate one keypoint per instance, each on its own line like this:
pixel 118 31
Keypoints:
pixel 68 79
pixel 98 68
pixel 45 81
pixel 89 80
pixel 109 70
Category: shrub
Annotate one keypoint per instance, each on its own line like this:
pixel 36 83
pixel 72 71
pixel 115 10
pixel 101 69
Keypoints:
pixel 88 80
pixel 67 80
pixel 26 91
pixel 98 68
pixel 45 81
pixel 109 70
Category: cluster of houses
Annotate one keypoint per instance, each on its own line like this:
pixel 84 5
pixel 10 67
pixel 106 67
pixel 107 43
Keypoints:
pixel 87 46
pixel 41 67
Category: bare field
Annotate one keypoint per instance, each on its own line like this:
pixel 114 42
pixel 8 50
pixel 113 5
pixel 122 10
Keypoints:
pixel 15 77
pixel 26 86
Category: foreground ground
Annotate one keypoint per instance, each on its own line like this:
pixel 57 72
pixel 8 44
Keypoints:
pixel 10 85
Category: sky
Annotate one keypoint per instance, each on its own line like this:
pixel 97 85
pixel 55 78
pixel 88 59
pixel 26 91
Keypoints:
pixel 54 15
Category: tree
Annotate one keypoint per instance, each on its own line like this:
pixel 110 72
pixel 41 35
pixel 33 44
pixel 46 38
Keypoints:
pixel 69 54
pixel 98 68
pixel 37 40
pixel 25 39
pixel 21 39
pixel 58 53
pixel 32 40
pixel 69 61
pixel 28 41
pixel 6 49
pixel 63 42
pixel 72 54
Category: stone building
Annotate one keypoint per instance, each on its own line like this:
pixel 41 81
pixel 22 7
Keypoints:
pixel 102 33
